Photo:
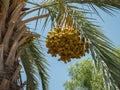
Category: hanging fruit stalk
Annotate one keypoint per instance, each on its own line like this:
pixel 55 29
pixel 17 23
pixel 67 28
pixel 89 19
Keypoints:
pixel 67 42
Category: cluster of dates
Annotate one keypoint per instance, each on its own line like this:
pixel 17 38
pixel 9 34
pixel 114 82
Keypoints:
pixel 67 42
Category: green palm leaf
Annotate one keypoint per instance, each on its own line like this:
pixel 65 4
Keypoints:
pixel 35 67
pixel 104 53
pixel 29 69
pixel 105 5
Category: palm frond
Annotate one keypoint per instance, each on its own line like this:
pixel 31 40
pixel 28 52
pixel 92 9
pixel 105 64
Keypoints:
pixel 108 6
pixel 29 69
pixel 102 49
pixel 52 6
pixel 35 66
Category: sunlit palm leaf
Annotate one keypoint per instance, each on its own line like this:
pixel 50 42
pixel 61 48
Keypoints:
pixel 108 6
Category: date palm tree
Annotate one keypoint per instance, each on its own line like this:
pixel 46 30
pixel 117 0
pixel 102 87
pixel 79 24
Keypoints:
pixel 18 44
pixel 16 40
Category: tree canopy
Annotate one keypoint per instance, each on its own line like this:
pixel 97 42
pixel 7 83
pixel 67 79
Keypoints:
pixel 84 76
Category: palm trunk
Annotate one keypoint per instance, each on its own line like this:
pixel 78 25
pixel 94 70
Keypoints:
pixel 13 34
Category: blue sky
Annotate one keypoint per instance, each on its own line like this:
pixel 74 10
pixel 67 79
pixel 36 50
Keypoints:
pixel 58 70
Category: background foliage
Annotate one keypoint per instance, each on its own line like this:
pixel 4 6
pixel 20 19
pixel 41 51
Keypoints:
pixel 84 76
